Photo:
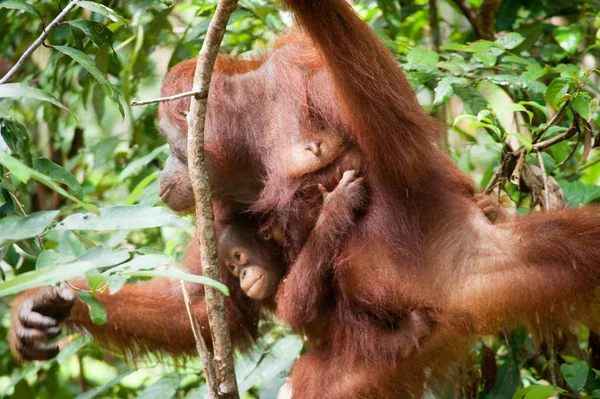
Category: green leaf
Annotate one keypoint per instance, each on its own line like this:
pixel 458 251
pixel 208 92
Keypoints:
pixel 59 174
pixel 51 258
pixel 94 258
pixel 278 358
pixel 98 33
pixel 517 82
pixel 97 392
pixel 85 61
pixel 20 5
pixel 139 188
pixel 103 10
pixel 489 126
pixel 510 40
pixel 582 107
pixel 165 388
pixel 179 275
pixel 537 106
pixel 557 92
pixel 24 173
pixel 577 193
pixel 142 262
pixel 472 99
pixel 445 89
pixel 97 311
pixel 512 107
pixel 536 392
pixel 20 90
pixel 568 37
pixel 510 58
pixel 19 170
pixel 72 348
pixel 523 140
pixel 424 57
pixel 138 163
pixel 487 59
pixel 480 46
pixel 575 374
pixel 456 47
pixel 123 217
pixel 15 228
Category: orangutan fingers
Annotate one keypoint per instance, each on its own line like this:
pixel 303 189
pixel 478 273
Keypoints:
pixel 37 351
pixel 54 302
pixel 31 319
pixel 31 335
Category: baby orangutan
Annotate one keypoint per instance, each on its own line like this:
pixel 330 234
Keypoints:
pixel 251 257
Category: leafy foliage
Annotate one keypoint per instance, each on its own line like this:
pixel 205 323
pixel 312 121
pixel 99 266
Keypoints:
pixel 79 166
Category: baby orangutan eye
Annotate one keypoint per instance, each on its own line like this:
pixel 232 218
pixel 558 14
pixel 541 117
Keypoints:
pixel 233 268
pixel 241 257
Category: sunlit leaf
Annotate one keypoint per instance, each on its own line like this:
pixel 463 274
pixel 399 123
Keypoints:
pixel 123 217
pixel 51 258
pixel 517 82
pixel 103 10
pixel 20 5
pixel 557 91
pixel 510 40
pixel 97 311
pixel 84 60
pixel 24 173
pixel 96 32
pixel 179 275
pixel 538 106
pixel 137 164
pixel 20 90
pixel 421 56
pixel 14 228
pixel 59 174
pixel 94 258
pixel 568 37
pixel 513 107
pixel 536 392
pixel 445 89
pixel 165 388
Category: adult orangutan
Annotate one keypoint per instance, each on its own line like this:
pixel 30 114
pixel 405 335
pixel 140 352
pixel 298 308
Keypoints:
pixel 421 245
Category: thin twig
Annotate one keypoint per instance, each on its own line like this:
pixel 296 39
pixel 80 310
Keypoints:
pixel 551 366
pixel 515 178
pixel 592 163
pixel 570 132
pixel 205 355
pixel 169 98
pixel 496 177
pixel 223 351
pixel 545 180
pixel 38 42
pixel 16 201
pixel 554 120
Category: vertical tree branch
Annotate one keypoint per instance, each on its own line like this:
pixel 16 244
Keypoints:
pixel 434 26
pixel 223 351
pixel 482 20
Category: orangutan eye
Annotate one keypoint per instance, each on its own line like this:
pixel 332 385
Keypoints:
pixel 240 257
pixel 234 269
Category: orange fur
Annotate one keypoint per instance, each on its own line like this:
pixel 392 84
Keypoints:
pixel 423 243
